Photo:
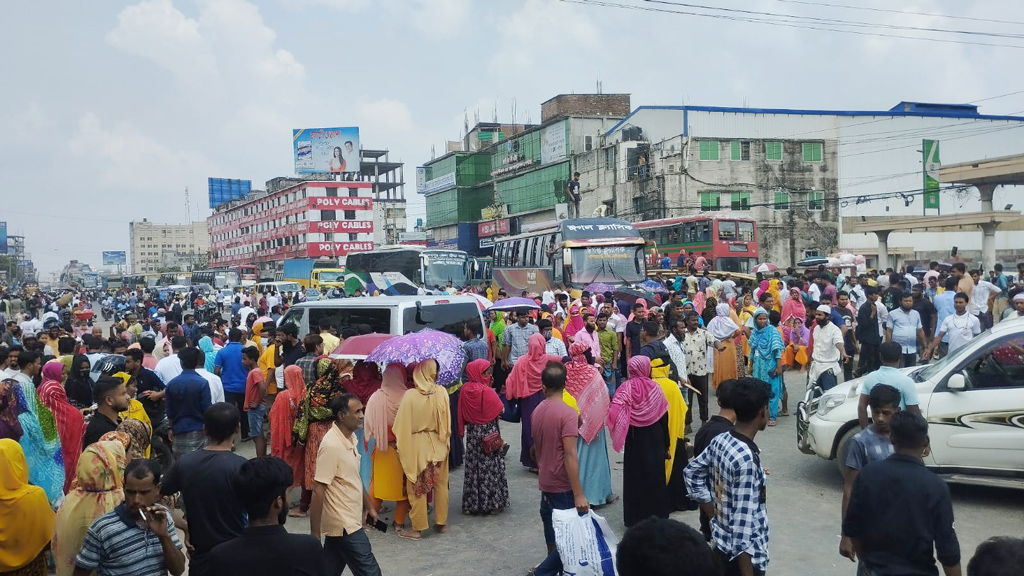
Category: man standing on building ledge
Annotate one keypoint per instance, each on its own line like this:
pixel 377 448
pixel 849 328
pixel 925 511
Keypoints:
pixel 573 191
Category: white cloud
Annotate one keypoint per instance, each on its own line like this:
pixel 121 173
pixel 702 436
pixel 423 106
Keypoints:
pixel 343 5
pixel 543 29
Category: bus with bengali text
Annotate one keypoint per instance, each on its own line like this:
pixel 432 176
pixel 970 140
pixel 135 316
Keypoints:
pixel 570 253
pixel 398 270
pixel 727 240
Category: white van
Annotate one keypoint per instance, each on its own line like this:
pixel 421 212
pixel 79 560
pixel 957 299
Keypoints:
pixel 386 314
pixel 279 287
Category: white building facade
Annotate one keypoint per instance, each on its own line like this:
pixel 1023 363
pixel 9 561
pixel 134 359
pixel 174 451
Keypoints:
pixel 155 246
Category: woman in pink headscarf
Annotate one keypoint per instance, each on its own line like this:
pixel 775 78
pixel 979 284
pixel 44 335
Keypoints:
pixel 586 385
pixel 793 306
pixel 388 479
pixel 70 423
pixel 574 325
pixel 638 422
pixel 523 384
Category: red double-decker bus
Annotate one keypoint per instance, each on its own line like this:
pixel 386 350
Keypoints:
pixel 727 240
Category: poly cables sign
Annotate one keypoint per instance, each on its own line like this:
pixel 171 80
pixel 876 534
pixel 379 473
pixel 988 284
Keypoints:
pixel 340 203
pixel 341 226
pixel 337 248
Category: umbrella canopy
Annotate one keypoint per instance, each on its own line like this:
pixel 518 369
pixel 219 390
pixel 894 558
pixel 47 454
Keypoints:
pixel 423 345
pixel 265 320
pixel 765 267
pixel 652 286
pixel 481 300
pixel 599 288
pixel 359 347
pixel 514 304
pixel 632 295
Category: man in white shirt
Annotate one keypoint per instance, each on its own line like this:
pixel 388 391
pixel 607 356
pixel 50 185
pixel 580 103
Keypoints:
pixel 814 291
pixel 30 327
pixel 829 347
pixel 910 278
pixel 243 314
pixel 272 300
pixel 216 386
pixel 982 299
pixel 169 367
pixel 961 327
pixel 728 287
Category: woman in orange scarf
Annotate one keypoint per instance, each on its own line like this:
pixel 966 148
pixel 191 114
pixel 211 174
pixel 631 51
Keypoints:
pixel 25 514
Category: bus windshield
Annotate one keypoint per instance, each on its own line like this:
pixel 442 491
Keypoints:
pixel 332 276
pixel 444 267
pixel 610 264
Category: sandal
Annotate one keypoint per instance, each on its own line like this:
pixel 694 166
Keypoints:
pixel 772 422
pixel 407 534
pixel 612 499
pixel 397 528
pixel 441 528
pixel 783 413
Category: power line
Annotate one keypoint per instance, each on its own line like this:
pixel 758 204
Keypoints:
pixel 997 97
pixel 904 12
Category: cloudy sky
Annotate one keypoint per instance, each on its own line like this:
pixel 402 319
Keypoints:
pixel 109 110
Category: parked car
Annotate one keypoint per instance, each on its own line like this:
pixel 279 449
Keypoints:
pixel 387 314
pixel 973 400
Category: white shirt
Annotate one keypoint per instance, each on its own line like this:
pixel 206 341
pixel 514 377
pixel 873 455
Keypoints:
pixel 216 386
pixel 883 316
pixel 678 354
pixel 911 279
pixel 272 301
pixel 814 292
pixel 168 368
pixel 728 289
pixel 960 329
pixel 11 372
pixel 617 323
pixel 980 294
pixel 30 327
pixel 243 313
pixel 556 347
pixel 825 340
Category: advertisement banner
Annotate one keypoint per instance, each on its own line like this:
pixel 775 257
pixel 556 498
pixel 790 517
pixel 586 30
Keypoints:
pixel 930 152
pixel 3 237
pixel 328 226
pixel 114 258
pixel 341 203
pixel 316 249
pixel 552 143
pixel 224 190
pixel 326 150
pixel 437 184
pixel 485 229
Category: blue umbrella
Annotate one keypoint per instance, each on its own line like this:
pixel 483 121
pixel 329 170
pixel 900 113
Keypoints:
pixel 652 286
pixel 514 304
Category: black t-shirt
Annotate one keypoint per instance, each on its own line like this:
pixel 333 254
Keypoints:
pixel 292 354
pixel 715 426
pixel 848 321
pixel 927 311
pixel 148 381
pixel 204 479
pixel 891 298
pixel 269 551
pixel 574 190
pixel 633 334
pixel 98 426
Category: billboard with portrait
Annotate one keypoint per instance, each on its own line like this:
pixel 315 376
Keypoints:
pixel 114 258
pixel 326 150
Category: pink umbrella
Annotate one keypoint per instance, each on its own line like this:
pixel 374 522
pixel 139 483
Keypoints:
pixel 765 267
pixel 359 347
pixel 481 300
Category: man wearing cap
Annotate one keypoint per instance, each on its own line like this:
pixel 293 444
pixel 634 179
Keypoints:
pixel 1016 310
pixel 828 348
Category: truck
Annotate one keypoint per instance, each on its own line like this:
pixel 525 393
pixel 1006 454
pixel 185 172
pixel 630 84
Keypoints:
pixel 313 273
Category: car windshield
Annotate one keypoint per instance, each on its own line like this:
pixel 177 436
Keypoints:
pixel 939 366
pixel 332 276
pixel 443 267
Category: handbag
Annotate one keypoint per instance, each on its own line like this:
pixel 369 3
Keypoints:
pixel 512 412
pixel 492 443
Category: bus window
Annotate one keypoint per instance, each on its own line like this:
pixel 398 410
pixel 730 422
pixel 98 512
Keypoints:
pixel 517 251
pixel 726 230
pixel 673 235
pixel 530 256
pixel 704 230
pixel 746 231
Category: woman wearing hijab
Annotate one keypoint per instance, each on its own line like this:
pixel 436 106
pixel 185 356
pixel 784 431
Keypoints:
pixel 141 434
pixel 315 418
pixel 98 490
pixel 79 385
pixel 206 345
pixel 422 429
pixel 523 384
pixel 365 381
pixel 69 420
pixel 574 325
pixel 485 488
pixel 638 422
pixel 688 307
pixel 586 386
pixel 793 306
pixel 25 514
pixel 797 338
pixel 725 330
pixel 766 359
pixel 282 419
pixel 661 372
pixel 40 442
pixel 9 425
pixel 388 480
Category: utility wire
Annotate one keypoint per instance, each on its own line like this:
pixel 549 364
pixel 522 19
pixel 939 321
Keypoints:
pixel 904 12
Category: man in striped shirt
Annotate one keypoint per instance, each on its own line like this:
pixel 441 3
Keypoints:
pixel 137 538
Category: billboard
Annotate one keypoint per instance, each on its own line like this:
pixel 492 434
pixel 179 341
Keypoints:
pixel 114 258
pixel 552 143
pixel 351 226
pixel 334 249
pixel 340 203
pixel 3 237
pixel 326 150
pixel 224 190
pixel 930 161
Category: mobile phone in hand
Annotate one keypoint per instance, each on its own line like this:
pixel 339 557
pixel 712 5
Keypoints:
pixel 379 525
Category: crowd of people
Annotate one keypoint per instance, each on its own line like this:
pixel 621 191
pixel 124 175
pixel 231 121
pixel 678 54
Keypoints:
pixel 85 417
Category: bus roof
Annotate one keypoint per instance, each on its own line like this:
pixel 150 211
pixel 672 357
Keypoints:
pixel 409 247
pixel 692 218
pixel 582 231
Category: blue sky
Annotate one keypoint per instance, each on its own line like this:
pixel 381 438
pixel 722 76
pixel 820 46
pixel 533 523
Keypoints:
pixel 110 109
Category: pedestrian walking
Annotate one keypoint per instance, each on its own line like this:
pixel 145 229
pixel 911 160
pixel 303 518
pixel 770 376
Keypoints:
pixel 485 487
pixel 188 397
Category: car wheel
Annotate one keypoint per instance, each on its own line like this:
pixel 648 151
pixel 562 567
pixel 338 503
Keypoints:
pixel 843 448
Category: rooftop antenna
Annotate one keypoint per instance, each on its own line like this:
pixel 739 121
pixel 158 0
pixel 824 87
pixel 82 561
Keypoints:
pixel 432 155
pixel 188 209
pixel 514 118
pixel 599 84
pixel 495 120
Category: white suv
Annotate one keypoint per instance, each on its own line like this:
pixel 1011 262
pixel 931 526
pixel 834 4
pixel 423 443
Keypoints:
pixel 973 400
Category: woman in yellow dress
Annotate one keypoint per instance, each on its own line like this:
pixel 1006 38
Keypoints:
pixel 135 410
pixel 388 480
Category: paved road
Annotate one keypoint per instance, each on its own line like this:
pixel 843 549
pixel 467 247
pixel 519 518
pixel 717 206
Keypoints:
pixel 804 497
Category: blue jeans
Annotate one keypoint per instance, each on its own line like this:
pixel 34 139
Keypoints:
pixel 552 565
pixel 611 379
pixel 352 550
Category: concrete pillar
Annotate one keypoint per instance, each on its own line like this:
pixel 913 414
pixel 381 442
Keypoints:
pixel 883 249
pixel 988 244
pixel 986 191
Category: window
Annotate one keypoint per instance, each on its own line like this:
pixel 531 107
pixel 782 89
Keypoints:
pixel 588 143
pixel 740 150
pixel 812 151
pixel 773 150
pixel 782 200
pixel 746 231
pixel 815 200
pixel 740 201
pixel 710 201
pixel 609 158
pixel 708 149
pixel 726 230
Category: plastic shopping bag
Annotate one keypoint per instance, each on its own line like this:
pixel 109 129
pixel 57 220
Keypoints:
pixel 586 544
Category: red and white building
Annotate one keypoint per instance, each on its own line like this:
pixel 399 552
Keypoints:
pixel 305 220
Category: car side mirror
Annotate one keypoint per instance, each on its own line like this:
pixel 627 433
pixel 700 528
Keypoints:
pixel 956 382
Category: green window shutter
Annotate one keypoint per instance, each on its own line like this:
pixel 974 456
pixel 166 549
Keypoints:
pixel 816 201
pixel 773 150
pixel 782 201
pixel 710 201
pixel 812 151
pixel 740 200
pixel 708 149
pixel 737 150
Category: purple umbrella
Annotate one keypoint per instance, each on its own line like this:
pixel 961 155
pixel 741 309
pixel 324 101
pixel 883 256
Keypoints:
pixel 599 288
pixel 423 345
pixel 514 304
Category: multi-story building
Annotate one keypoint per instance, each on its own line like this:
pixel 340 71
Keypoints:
pixel 156 246
pixel 804 175
pixel 510 176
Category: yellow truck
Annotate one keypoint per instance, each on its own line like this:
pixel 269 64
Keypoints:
pixel 312 273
